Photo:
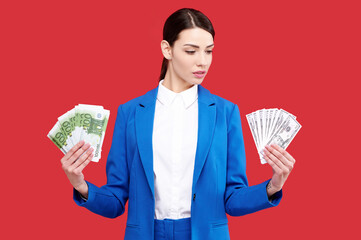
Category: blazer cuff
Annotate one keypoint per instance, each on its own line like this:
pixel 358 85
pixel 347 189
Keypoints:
pixel 80 200
pixel 275 199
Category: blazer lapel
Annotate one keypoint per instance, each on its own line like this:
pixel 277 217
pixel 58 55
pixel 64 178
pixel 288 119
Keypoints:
pixel 144 119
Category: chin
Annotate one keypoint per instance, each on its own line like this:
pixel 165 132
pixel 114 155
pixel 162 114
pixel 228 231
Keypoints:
pixel 195 82
pixel 198 81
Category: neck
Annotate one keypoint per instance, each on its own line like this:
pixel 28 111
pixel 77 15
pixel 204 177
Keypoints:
pixel 175 83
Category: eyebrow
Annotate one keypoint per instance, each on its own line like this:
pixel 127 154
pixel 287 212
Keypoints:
pixel 192 45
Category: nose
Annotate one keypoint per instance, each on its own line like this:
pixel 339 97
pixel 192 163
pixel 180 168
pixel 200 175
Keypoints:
pixel 202 60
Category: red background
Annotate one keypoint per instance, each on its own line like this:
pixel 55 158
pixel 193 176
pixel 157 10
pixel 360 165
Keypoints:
pixel 302 56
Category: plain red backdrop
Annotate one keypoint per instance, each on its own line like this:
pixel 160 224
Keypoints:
pixel 302 56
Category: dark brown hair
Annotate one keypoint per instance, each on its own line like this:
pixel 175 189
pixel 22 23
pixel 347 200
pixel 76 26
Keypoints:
pixel 182 19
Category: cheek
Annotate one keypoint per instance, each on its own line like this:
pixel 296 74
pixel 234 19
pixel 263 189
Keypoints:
pixel 187 63
pixel 184 62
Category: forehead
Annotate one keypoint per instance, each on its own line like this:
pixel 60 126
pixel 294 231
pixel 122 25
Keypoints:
pixel 195 36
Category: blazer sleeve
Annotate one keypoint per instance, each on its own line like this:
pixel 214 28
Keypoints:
pixel 110 199
pixel 241 199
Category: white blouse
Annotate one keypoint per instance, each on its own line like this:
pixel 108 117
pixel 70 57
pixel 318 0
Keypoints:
pixel 175 133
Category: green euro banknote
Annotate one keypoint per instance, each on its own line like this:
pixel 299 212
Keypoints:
pixel 83 122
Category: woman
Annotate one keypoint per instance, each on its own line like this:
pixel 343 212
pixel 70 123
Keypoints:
pixel 177 151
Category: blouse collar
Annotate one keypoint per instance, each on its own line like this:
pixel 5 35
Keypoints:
pixel 166 96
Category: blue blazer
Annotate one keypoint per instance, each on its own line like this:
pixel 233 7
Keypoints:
pixel 220 183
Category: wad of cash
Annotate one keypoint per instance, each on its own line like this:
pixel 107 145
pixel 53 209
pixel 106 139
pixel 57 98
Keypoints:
pixel 83 122
pixel 272 126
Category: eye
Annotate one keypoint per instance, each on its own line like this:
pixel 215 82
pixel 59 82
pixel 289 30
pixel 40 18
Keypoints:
pixel 209 51
pixel 190 52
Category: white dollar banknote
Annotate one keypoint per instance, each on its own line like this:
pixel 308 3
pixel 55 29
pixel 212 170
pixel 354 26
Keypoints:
pixel 272 126
pixel 84 122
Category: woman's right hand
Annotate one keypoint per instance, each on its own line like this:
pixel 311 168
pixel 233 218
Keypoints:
pixel 73 164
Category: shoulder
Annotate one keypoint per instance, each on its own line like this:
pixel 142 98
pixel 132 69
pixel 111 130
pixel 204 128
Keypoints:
pixel 129 106
pixel 224 104
pixel 229 111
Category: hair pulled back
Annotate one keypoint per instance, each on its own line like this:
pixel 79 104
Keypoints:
pixel 182 19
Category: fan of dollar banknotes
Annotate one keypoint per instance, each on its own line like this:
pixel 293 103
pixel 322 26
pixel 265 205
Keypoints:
pixel 83 122
pixel 272 126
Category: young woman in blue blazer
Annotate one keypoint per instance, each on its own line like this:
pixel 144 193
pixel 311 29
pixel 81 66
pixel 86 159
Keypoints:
pixel 177 152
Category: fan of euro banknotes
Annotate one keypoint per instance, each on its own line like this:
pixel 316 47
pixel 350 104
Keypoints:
pixel 272 126
pixel 83 122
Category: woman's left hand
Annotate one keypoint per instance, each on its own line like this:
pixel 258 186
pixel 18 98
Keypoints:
pixel 282 164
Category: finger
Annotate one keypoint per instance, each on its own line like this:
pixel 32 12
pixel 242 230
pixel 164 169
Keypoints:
pixel 280 156
pixel 79 169
pixel 278 162
pixel 284 153
pixel 81 159
pixel 77 154
pixel 274 166
pixel 72 151
pixel 286 161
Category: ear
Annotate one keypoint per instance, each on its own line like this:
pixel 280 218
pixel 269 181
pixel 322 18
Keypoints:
pixel 166 49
